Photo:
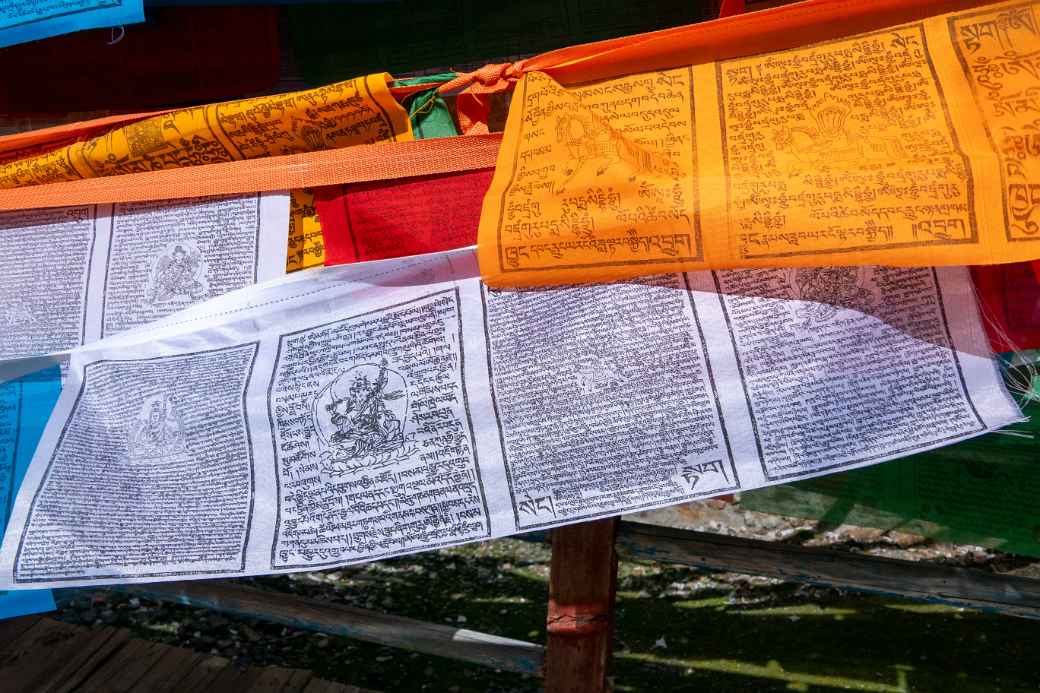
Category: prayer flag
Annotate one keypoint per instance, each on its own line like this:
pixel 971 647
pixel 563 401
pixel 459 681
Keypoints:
pixel 22 21
pixel 410 216
pixel 359 412
pixel 1010 299
pixel 25 405
pixel 357 111
pixel 908 145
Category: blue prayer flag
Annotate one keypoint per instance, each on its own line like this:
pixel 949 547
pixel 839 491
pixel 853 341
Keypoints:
pixel 25 406
pixel 22 21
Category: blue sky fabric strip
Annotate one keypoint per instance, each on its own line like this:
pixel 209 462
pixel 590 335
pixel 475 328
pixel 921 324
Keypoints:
pixel 25 406
pixel 22 21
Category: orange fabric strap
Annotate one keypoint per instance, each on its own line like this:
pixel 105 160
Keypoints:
pixel 356 164
pixel 20 144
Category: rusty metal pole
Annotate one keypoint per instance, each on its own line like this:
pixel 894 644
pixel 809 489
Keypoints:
pixel 580 625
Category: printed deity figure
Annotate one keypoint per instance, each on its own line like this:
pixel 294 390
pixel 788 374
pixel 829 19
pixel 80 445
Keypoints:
pixel 156 432
pixel 177 276
pixel 16 315
pixel 364 424
pixel 829 290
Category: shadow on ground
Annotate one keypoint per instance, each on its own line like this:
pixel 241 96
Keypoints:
pixel 677 629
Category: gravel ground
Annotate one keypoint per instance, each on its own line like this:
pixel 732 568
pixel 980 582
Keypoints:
pixel 677 628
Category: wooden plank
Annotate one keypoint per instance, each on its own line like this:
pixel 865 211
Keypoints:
pixel 89 652
pixel 205 671
pixel 41 630
pixel 321 686
pixel 965 587
pixel 125 668
pixel 56 657
pixel 174 665
pixel 336 619
pixel 582 582
pixel 279 680
pixel 32 656
pixel 233 679
pixel 12 628
pixel 298 681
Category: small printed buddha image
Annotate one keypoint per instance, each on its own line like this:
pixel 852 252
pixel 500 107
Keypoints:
pixel 157 431
pixel 15 314
pixel 359 418
pixel 178 274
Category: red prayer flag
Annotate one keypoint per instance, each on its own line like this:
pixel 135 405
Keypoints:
pixel 394 218
pixel 1009 296
pixel 179 55
pixel 731 7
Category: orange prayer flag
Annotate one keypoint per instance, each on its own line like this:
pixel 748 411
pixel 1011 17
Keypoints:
pixel 908 145
pixel 357 111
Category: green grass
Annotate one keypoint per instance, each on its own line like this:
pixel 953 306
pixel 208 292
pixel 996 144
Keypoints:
pixel 677 629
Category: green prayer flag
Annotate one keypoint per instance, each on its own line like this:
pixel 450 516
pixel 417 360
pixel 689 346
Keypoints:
pixel 430 115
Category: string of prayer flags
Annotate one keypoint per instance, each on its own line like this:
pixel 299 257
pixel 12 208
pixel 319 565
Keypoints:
pixel 488 412
pixel 22 21
pixel 909 145
pixel 77 274
pixel 360 412
pixel 357 111
pixel 409 216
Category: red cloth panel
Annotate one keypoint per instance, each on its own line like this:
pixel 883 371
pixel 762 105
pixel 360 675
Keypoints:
pixel 179 55
pixel 409 216
pixel 1010 297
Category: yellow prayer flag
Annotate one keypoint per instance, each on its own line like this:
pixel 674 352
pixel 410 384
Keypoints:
pixel 357 111
pixel 914 145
